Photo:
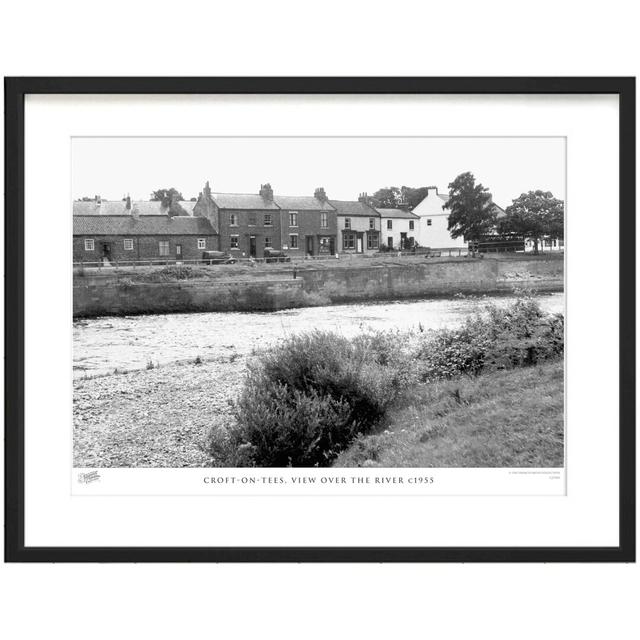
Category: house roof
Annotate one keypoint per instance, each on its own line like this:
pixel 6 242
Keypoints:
pixel 397 213
pixel 309 203
pixel 119 207
pixel 354 208
pixel 243 201
pixel 127 225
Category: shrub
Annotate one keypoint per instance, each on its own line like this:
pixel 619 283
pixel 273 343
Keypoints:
pixel 500 338
pixel 306 400
pixel 172 273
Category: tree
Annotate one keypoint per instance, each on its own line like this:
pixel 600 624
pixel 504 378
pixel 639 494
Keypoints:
pixel 472 212
pixel 386 198
pixel 166 196
pixel 170 200
pixel 534 215
pixel 412 197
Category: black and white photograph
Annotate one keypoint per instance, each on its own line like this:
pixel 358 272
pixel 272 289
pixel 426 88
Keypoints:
pixel 346 302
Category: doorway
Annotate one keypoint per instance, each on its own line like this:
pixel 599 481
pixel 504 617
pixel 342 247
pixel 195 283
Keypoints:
pixel 309 245
pixel 252 246
pixel 178 252
pixel 359 246
pixel 390 242
pixel 106 252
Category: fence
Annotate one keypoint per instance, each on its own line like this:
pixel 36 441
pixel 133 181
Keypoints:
pixel 164 262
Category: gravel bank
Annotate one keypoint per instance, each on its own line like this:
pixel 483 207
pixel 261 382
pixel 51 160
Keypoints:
pixel 152 418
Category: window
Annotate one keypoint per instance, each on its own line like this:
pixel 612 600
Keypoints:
pixel 89 244
pixel 349 241
pixel 128 245
pixel 267 243
pixel 293 218
pixel 389 224
pixel 293 241
pixel 233 219
pixel 233 242
pixel 372 241
pixel 411 225
pixel 324 220
pixel 347 223
pixel 163 248
pixel 372 223
pixel 202 243
pixel 267 220
pixel 428 222
pixel 252 219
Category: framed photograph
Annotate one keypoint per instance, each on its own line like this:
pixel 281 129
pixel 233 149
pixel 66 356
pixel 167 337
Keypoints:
pixel 320 319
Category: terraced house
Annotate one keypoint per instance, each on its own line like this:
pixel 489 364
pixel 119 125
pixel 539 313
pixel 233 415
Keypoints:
pixel 105 232
pixel 358 225
pixel 251 223
pixel 399 228
pixel 242 224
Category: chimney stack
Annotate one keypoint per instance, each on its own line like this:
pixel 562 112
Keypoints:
pixel 98 200
pixel 430 189
pixel 266 192
pixel 128 203
pixel 364 197
pixel 320 194
pixel 207 190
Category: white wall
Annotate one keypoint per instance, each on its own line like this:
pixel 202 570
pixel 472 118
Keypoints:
pixel 399 225
pixel 435 234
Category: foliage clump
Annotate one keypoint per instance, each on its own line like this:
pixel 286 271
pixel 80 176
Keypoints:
pixel 313 395
pixel 307 399
pixel 500 338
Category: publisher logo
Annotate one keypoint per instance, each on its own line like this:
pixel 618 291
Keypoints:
pixel 89 476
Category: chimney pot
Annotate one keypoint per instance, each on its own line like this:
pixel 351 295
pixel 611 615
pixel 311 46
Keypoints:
pixel 266 192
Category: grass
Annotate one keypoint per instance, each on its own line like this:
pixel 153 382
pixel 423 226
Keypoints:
pixel 508 418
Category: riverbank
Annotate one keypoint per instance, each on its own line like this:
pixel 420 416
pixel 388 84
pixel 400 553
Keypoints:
pixel 500 419
pixel 153 417
pixel 161 418
pixel 477 395
pixel 273 287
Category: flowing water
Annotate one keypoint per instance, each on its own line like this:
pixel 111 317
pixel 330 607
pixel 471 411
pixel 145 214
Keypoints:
pixel 101 345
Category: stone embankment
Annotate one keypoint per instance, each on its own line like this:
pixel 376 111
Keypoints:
pixel 273 287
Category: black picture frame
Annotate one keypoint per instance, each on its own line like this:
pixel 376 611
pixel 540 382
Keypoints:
pixel 15 91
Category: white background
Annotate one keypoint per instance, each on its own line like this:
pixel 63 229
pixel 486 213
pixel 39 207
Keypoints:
pixel 498 38
pixel 587 516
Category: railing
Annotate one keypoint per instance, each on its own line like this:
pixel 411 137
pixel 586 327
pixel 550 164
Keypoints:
pixel 202 262
pixel 166 261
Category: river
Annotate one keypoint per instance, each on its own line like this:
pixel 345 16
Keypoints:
pixel 101 345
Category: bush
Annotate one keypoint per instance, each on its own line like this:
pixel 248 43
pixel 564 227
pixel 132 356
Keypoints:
pixel 305 401
pixel 501 338
pixel 172 273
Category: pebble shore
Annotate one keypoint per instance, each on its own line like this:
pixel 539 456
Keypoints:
pixel 152 418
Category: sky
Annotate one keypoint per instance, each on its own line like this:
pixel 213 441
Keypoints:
pixel 114 167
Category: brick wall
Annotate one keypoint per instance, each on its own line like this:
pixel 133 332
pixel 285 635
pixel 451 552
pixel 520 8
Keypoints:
pixel 244 230
pixel 313 238
pixel 144 247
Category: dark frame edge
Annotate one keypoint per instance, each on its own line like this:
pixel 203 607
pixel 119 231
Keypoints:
pixel 627 320
pixel 15 90
pixel 14 321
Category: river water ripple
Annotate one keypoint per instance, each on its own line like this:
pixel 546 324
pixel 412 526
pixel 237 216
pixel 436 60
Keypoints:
pixel 101 345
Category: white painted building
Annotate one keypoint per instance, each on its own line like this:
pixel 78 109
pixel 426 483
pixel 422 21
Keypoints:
pixel 434 220
pixel 358 226
pixel 398 228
